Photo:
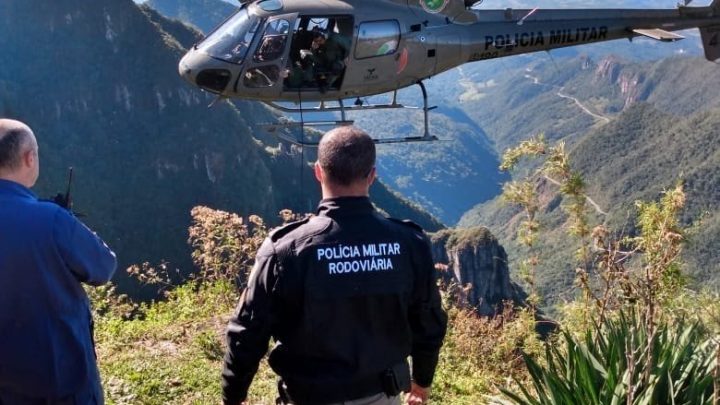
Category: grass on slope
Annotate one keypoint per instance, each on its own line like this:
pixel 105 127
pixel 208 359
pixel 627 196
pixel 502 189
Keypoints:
pixel 171 351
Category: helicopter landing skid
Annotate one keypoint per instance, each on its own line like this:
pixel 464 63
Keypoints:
pixel 343 110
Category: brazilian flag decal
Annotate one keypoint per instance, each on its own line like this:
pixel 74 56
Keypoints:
pixel 433 6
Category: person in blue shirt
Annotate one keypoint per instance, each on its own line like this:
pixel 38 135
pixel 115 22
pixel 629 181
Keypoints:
pixel 47 354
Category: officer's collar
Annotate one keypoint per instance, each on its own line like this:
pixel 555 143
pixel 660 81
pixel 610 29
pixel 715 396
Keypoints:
pixel 345 205
pixel 13 188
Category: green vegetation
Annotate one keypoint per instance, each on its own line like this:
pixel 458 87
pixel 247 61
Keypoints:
pixel 171 350
pixel 642 150
pixel 623 365
pixel 637 348
pixel 634 335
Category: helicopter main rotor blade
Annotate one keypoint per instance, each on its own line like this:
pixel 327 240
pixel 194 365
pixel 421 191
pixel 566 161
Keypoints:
pixel 659 34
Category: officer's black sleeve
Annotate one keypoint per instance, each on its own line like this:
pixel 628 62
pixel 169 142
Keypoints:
pixel 427 318
pixel 248 333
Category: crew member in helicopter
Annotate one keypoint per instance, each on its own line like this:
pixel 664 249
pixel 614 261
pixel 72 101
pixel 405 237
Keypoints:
pixel 328 56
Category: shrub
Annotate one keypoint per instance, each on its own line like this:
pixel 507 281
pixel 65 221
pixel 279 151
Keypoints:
pixel 624 363
pixel 223 244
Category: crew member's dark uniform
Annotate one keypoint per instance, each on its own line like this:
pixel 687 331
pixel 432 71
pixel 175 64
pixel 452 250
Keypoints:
pixel 347 295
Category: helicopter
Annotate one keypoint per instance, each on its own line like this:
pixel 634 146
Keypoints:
pixel 282 52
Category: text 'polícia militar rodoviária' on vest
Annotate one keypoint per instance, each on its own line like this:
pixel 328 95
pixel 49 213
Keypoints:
pixel 343 259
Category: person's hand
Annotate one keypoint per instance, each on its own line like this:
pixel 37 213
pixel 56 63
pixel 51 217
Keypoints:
pixel 418 395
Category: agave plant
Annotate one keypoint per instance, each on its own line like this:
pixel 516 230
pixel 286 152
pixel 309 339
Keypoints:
pixel 625 363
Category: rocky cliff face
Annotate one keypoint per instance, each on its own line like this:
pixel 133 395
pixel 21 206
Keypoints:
pixel 478 264
pixel 628 81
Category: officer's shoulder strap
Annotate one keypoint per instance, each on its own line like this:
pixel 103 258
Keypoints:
pixel 408 223
pixel 279 232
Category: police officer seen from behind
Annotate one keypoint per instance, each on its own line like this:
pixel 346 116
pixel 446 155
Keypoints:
pixel 347 296
pixel 46 348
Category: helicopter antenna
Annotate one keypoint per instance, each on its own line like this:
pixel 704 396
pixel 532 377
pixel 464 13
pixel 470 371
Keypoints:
pixel 302 148
pixel 552 59
pixel 533 11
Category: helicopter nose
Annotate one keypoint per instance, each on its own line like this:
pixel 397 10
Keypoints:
pixel 204 72
pixel 185 69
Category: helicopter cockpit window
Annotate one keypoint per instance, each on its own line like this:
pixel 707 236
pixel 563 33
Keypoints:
pixel 270 48
pixel 231 41
pixel 272 45
pixel 263 76
pixel 377 38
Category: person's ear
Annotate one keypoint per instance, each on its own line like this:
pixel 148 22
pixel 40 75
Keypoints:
pixel 29 158
pixel 319 175
pixel 371 177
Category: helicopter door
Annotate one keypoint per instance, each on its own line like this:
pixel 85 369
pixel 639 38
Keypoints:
pixel 264 72
pixel 319 53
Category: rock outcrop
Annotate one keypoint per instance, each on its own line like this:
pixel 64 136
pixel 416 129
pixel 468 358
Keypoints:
pixel 477 263
pixel 629 81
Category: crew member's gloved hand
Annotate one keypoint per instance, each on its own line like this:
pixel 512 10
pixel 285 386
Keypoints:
pixel 418 395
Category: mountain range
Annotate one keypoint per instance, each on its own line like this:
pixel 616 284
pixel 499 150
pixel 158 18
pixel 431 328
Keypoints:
pixel 633 129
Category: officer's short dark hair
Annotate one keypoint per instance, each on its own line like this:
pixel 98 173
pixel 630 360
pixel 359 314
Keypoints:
pixel 346 155
pixel 12 145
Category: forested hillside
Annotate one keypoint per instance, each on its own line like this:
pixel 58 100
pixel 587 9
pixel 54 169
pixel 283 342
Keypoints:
pixel 97 81
pixel 634 130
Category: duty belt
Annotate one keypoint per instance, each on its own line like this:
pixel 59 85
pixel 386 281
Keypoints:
pixel 391 381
